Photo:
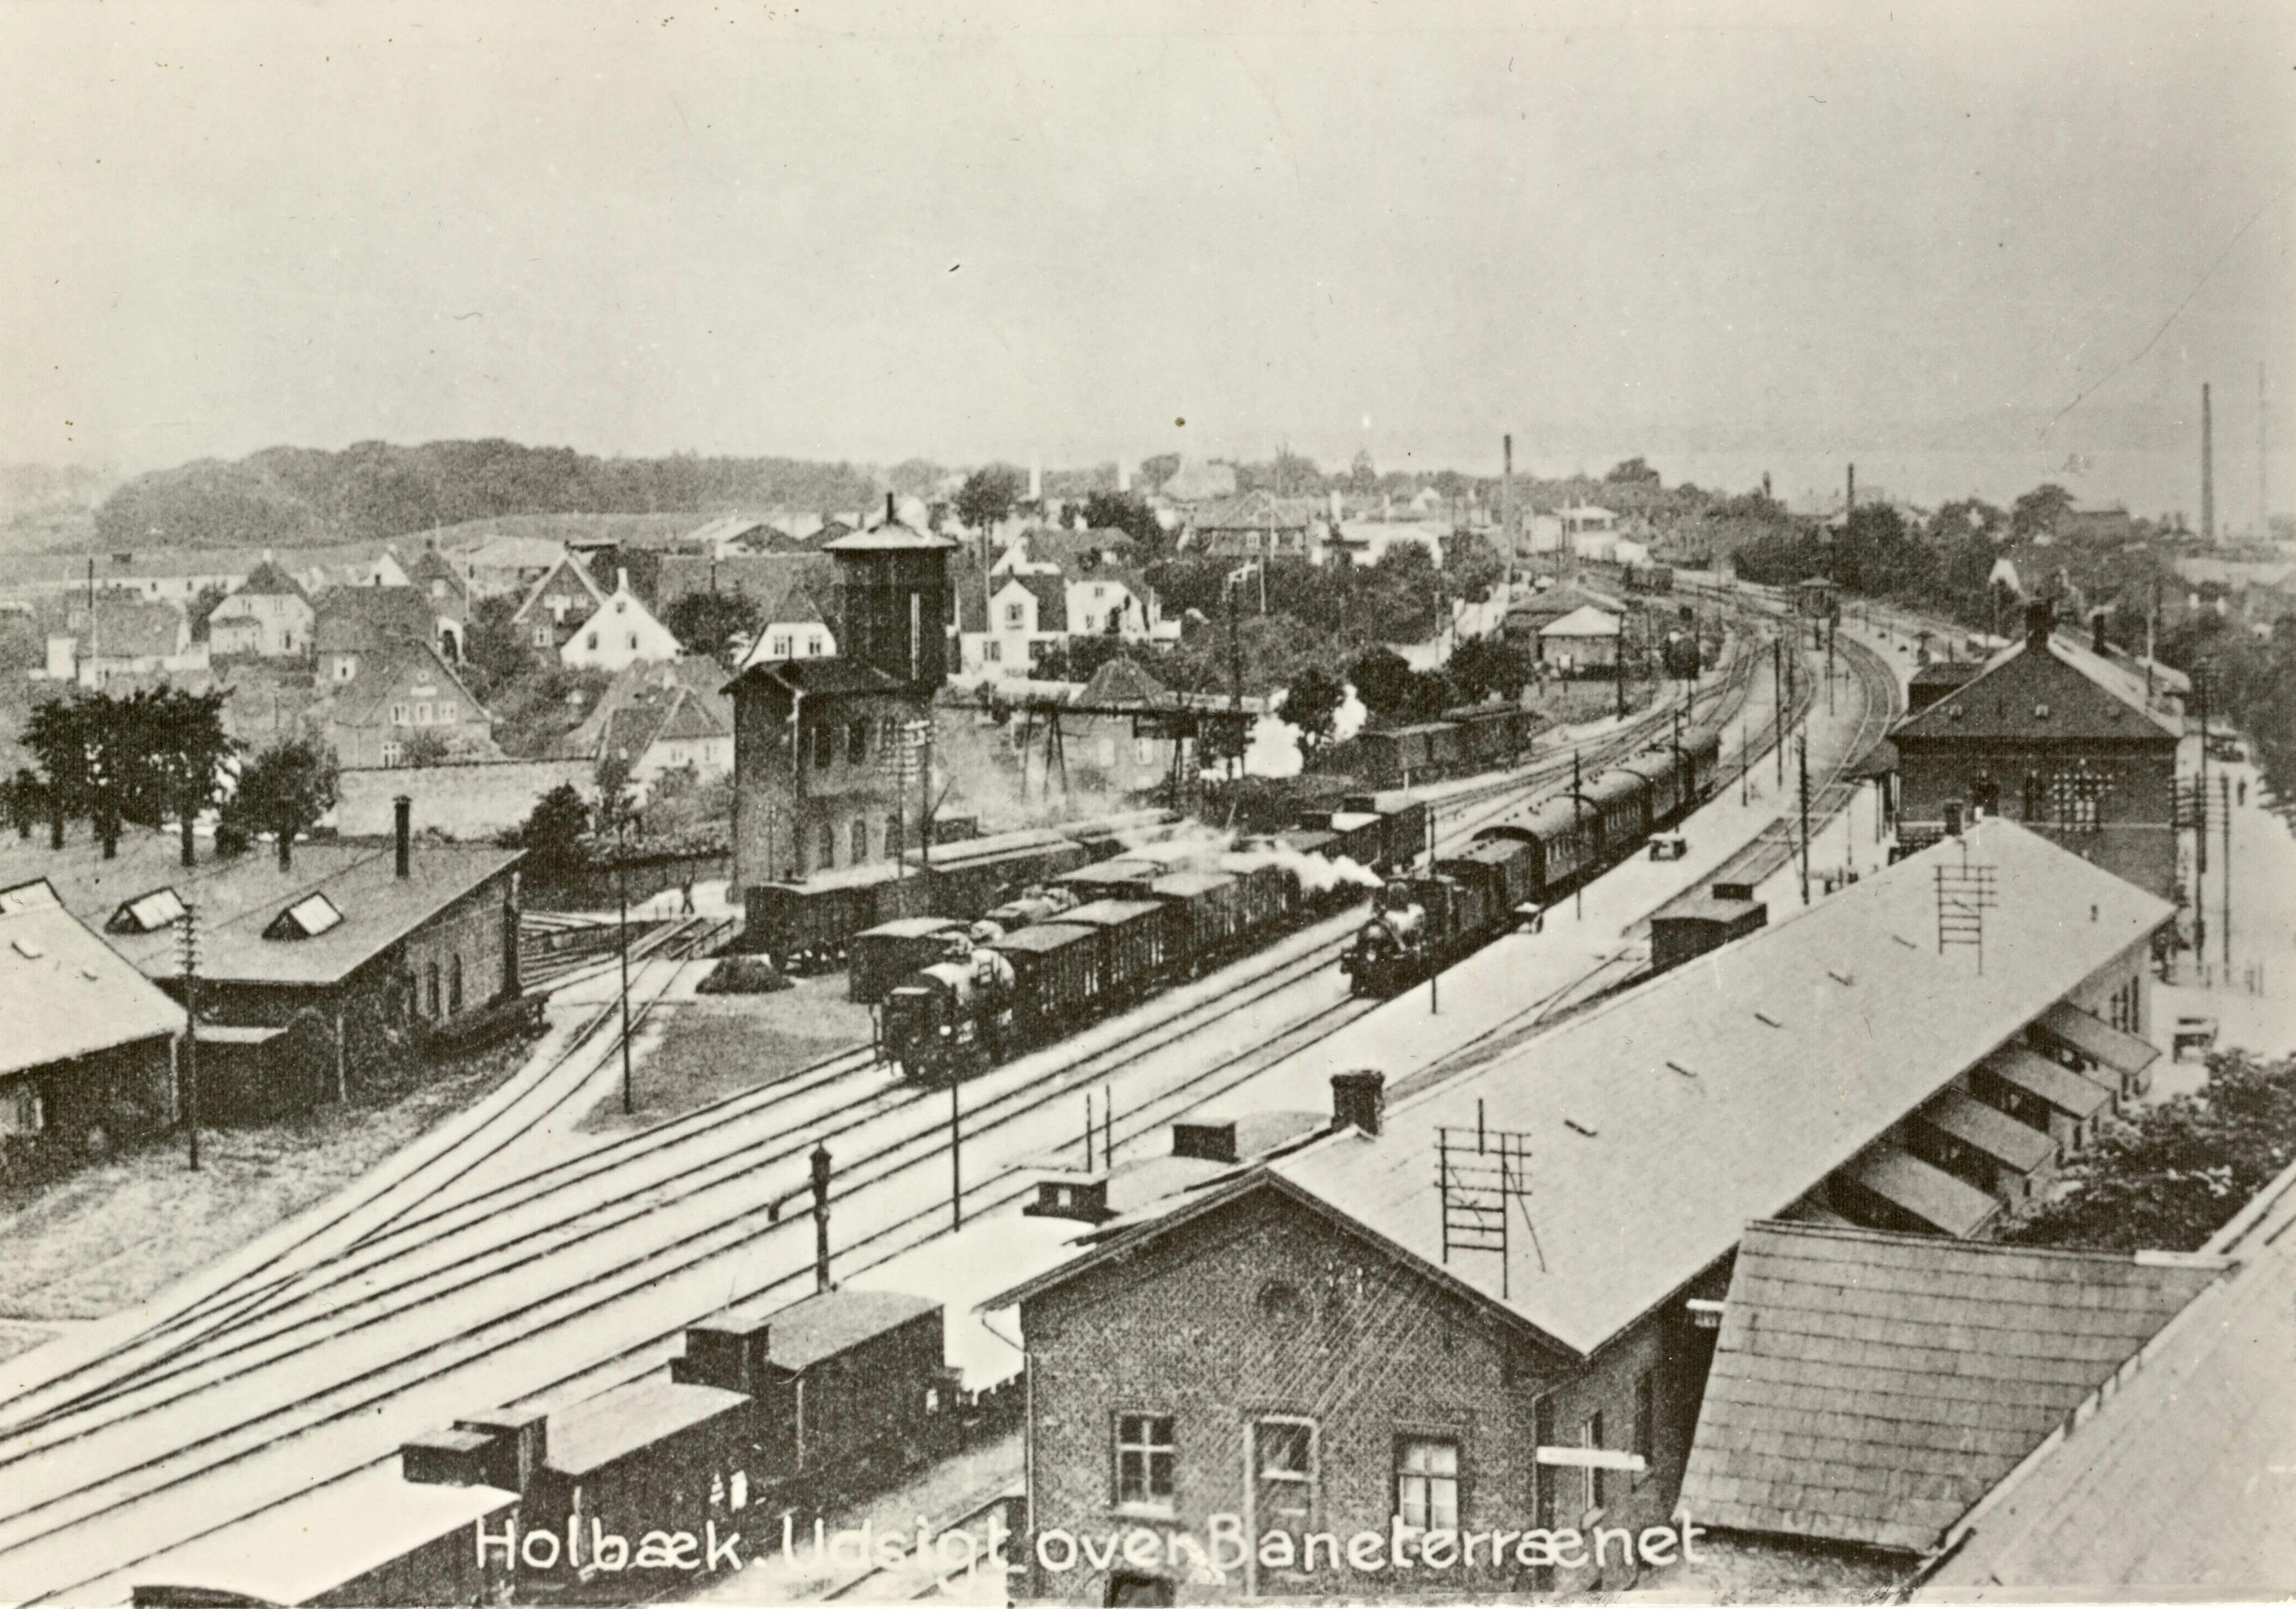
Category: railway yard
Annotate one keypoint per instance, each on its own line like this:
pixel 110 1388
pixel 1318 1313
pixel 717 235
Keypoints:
pixel 515 1261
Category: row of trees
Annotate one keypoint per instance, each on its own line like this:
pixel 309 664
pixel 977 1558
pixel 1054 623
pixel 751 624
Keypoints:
pixel 157 755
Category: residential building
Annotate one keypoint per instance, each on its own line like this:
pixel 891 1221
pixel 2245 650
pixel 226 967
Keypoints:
pixel 402 690
pixel 1197 480
pixel 1529 615
pixel 88 1044
pixel 1257 525
pixel 358 956
pixel 448 591
pixel 270 615
pixel 621 632
pixel 2045 736
pixel 509 566
pixel 792 625
pixel 122 636
pixel 558 605
pixel 1008 632
pixel 657 718
pixel 821 746
pixel 1127 754
pixel 1342 1339
pixel 1869 1389
pixel 354 623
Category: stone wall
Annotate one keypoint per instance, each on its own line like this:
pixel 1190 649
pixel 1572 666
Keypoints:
pixel 475 803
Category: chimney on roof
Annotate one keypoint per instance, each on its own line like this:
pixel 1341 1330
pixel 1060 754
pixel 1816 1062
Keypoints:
pixel 888 508
pixel 402 812
pixel 1359 1100
pixel 2039 615
pixel 2096 632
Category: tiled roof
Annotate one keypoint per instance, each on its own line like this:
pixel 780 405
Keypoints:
pixel 1869 1388
pixel 570 566
pixel 1121 681
pixel 1052 593
pixel 889 538
pixel 432 565
pixel 1740 1080
pixel 360 619
pixel 269 578
pixel 65 992
pixel 1257 511
pixel 123 628
pixel 2180 1478
pixel 2036 694
pixel 1585 621
pixel 385 674
pixel 820 677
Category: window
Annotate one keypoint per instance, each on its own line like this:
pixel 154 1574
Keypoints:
pixel 781 648
pixel 308 917
pixel 21 1109
pixel 813 645
pixel 1144 750
pixel 1105 749
pixel 860 840
pixel 634 641
pixel 399 715
pixel 422 714
pixel 430 990
pixel 454 985
pixel 856 743
pixel 594 639
pixel 542 636
pixel 445 714
pixel 993 651
pixel 393 753
pixel 1098 592
pixel 1015 615
pixel 1590 1437
pixel 1284 1465
pixel 1146 1457
pixel 160 909
pixel 824 746
pixel 892 830
pixel 1427 1484
pixel 1645 1421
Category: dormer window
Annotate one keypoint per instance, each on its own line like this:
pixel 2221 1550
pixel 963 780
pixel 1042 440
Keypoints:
pixel 306 919
pixel 2040 712
pixel 158 909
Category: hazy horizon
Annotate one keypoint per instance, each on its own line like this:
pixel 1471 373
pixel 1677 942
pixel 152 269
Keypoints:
pixel 1967 250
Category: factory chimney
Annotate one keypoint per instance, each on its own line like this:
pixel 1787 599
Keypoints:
pixel 1849 499
pixel 1507 495
pixel 2208 467
pixel 402 810
pixel 2263 457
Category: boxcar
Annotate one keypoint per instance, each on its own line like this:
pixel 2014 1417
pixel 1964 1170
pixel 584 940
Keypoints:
pixel 882 956
pixel 1111 880
pixel 1397 756
pixel 1506 866
pixel 1134 940
pixel 1110 836
pixel 1490 736
pixel 823 913
pixel 1402 825
pixel 968 880
pixel 1056 976
pixel 1206 911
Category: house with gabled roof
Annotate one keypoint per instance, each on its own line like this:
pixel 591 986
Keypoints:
pixel 657 718
pixel 620 633
pixel 403 688
pixel 2058 740
pixel 1489 1302
pixel 448 591
pixel 122 636
pixel 354 623
pixel 557 606
pixel 270 615
pixel 88 1044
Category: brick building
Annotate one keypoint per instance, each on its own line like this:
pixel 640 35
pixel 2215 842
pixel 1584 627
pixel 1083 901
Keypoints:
pixel 824 747
pixel 1339 1339
pixel 2044 737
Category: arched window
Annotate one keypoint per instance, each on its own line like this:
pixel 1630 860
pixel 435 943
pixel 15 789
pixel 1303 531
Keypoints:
pixel 892 830
pixel 430 994
pixel 860 840
pixel 1986 795
pixel 454 985
pixel 828 847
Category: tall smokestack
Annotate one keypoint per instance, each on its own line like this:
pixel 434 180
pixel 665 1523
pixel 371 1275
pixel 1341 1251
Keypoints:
pixel 2263 457
pixel 402 810
pixel 1850 500
pixel 1506 495
pixel 2208 467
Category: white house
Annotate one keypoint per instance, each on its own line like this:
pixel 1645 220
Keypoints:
pixel 1586 638
pixel 793 627
pixel 621 632
pixel 270 615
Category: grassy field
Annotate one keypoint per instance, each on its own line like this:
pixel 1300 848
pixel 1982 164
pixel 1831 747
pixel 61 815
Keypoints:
pixel 118 1231
pixel 699 1050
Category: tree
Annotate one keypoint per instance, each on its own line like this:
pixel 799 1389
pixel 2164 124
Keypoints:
pixel 1633 471
pixel 1382 679
pixel 989 496
pixel 1472 566
pixel 2037 511
pixel 494 654
pixel 284 790
pixel 551 835
pixel 1490 668
pixel 1362 476
pixel 59 738
pixel 1312 704
pixel 1126 512
pixel 423 747
pixel 708 623
pixel 201 607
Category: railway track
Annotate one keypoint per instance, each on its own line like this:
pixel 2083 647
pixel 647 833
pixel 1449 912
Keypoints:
pixel 415 1262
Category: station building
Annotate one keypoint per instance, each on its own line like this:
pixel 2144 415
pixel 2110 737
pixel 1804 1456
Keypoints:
pixel 1489 1307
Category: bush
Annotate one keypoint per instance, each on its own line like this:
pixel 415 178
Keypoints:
pixel 743 975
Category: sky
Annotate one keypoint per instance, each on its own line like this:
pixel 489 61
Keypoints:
pixel 1963 246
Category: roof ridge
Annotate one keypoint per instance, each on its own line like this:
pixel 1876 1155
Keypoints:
pixel 1846 1231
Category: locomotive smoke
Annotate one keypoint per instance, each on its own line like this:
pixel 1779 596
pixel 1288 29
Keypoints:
pixel 1200 847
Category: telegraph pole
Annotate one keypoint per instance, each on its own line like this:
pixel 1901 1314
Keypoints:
pixel 1801 761
pixel 2223 916
pixel 1778 691
pixel 2201 824
pixel 956 1166
pixel 190 950
pixel 1578 804
pixel 622 889
pixel 1434 962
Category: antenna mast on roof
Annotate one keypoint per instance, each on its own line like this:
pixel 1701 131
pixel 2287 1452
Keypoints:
pixel 1965 893
pixel 1478 1171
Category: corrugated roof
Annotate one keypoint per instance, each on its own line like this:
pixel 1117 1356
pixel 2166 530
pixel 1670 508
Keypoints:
pixel 1740 1080
pixel 65 992
pixel 1870 1388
